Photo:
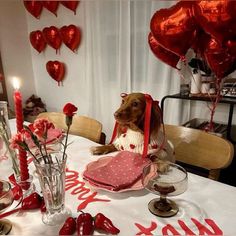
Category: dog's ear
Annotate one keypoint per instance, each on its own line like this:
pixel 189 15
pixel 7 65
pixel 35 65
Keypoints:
pixel 156 119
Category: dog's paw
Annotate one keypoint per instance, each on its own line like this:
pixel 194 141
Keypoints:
pixel 104 149
pixel 163 167
pixel 96 150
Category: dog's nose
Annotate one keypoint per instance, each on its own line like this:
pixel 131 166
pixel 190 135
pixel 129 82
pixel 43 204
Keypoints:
pixel 117 115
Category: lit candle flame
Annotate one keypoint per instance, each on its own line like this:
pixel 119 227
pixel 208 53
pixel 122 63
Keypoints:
pixel 16 83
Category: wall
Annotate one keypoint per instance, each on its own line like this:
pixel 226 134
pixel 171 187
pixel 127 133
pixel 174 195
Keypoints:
pixel 72 89
pixel 15 48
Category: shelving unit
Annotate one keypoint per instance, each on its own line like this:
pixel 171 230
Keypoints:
pixel 225 100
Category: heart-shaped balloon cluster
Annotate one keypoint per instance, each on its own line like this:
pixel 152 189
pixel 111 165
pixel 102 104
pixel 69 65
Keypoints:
pixel 35 7
pixel 208 27
pixel 69 35
pixel 56 70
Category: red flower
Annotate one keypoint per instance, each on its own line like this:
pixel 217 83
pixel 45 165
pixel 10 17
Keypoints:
pixel 41 127
pixel 69 109
pixel 16 140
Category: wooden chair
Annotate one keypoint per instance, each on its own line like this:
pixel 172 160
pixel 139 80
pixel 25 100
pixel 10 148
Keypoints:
pixel 82 125
pixel 200 149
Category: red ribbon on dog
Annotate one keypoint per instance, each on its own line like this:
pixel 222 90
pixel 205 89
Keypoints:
pixel 147 119
pixel 114 133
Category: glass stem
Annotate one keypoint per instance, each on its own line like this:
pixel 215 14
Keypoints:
pixel 162 204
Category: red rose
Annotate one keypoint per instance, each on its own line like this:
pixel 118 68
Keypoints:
pixel 69 109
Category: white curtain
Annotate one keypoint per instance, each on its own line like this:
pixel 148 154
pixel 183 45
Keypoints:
pixel 118 58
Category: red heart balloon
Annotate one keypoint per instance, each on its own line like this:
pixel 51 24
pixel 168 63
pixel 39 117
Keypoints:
pixel 52 6
pixel 71 36
pixel 72 5
pixel 221 62
pixel 37 40
pixel 34 7
pixel 161 53
pixel 200 42
pixel 175 28
pixel 215 18
pixel 56 70
pixel 52 37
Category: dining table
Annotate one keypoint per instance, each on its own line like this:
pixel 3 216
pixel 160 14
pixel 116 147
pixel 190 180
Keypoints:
pixel 207 207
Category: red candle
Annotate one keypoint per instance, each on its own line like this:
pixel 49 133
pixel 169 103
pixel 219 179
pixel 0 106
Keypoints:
pixel 24 171
pixel 18 110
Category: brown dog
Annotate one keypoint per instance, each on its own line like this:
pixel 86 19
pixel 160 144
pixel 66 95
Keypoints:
pixel 130 132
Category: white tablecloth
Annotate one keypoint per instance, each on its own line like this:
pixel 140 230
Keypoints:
pixel 207 207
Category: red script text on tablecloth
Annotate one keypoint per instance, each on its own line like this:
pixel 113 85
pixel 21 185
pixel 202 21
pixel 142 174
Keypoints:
pixel 78 188
pixel 170 229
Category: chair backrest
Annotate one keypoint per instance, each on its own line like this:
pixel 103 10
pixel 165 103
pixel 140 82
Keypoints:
pixel 81 125
pixel 201 149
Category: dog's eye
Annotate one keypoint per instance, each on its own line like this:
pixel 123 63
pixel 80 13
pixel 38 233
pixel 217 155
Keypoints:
pixel 134 104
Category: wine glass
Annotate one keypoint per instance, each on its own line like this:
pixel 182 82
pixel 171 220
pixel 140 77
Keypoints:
pixel 6 199
pixel 164 179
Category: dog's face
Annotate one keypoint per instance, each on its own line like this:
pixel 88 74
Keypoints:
pixel 132 113
pixel 132 109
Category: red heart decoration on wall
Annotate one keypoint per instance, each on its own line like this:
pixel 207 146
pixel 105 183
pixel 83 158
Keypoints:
pixel 72 5
pixel 37 40
pixel 52 6
pixel 71 36
pixel 52 37
pixel 34 7
pixel 56 70
pixel 175 28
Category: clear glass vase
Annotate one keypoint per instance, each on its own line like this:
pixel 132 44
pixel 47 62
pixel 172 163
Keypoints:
pixel 7 154
pixel 51 174
pixel 4 118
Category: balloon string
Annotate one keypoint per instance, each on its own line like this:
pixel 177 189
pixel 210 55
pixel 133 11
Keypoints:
pixel 214 104
pixel 214 100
